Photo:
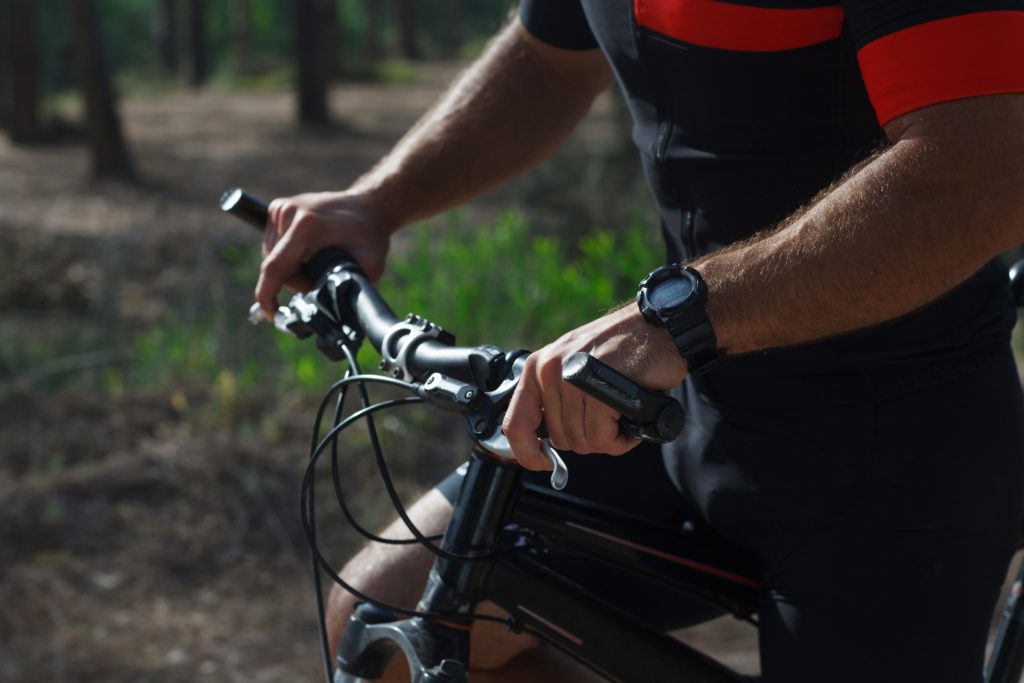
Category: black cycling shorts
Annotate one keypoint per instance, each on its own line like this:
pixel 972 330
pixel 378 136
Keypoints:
pixel 639 483
pixel 882 514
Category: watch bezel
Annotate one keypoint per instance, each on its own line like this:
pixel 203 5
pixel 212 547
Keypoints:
pixel 658 314
pixel 686 321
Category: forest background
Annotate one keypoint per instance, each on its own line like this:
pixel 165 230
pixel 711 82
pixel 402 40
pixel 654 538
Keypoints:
pixel 152 442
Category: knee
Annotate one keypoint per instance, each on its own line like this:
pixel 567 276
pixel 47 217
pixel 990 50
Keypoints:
pixel 393 574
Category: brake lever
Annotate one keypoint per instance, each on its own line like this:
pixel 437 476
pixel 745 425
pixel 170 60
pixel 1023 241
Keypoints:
pixel 256 317
pixel 559 472
pixel 497 443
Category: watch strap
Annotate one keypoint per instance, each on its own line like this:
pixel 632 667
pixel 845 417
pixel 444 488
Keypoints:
pixel 690 328
pixel 695 339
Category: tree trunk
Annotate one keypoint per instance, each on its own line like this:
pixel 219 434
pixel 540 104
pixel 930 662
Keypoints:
pixel 110 156
pixel 408 29
pixel 165 34
pixel 452 28
pixel 330 44
pixel 240 33
pixel 23 124
pixel 6 65
pixel 198 66
pixel 312 80
pixel 372 50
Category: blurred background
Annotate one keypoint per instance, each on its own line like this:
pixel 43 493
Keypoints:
pixel 152 442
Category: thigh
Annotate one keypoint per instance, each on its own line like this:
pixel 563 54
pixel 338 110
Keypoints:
pixel 857 605
pixel 883 526
pixel 900 582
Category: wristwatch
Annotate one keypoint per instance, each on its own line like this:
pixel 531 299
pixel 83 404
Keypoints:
pixel 675 297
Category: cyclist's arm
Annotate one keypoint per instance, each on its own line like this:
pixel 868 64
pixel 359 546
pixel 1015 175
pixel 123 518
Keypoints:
pixel 507 112
pixel 895 234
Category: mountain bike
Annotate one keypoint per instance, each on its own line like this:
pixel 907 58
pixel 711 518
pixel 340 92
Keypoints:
pixel 511 540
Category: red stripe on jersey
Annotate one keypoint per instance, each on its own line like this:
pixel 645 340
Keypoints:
pixel 727 26
pixel 942 60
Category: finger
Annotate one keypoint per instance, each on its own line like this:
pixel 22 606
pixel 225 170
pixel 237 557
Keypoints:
pixel 298 283
pixel 281 263
pixel 620 444
pixel 601 427
pixel 524 416
pixel 279 217
pixel 549 392
pixel 573 420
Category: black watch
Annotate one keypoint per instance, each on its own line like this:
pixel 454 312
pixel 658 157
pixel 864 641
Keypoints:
pixel 676 298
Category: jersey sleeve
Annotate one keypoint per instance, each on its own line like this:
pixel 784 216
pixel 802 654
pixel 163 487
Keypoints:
pixel 561 23
pixel 915 53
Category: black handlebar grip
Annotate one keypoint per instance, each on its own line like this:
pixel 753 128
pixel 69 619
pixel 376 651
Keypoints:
pixel 245 206
pixel 648 415
pixel 255 211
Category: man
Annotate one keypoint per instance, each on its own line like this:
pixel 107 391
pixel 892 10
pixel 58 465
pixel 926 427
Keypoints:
pixel 838 179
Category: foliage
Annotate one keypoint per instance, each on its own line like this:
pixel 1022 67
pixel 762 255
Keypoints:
pixel 497 284
pixel 492 284
pixel 128 32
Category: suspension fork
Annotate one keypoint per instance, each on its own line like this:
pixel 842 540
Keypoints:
pixel 437 650
pixel 1006 663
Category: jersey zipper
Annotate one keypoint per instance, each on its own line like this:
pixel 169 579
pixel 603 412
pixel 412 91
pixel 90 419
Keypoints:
pixel 664 135
pixel 690 233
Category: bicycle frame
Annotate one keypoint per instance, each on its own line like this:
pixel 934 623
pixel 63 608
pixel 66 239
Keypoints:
pixel 495 508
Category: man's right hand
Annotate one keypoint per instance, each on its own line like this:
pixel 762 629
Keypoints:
pixel 303 225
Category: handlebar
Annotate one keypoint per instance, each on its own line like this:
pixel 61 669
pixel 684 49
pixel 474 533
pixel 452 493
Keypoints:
pixel 343 307
pixel 412 348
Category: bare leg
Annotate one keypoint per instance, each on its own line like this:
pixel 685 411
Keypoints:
pixel 397 574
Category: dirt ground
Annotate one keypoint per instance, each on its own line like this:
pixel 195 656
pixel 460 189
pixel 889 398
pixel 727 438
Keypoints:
pixel 145 535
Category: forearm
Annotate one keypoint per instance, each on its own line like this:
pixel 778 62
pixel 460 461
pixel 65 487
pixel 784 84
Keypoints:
pixel 895 235
pixel 506 113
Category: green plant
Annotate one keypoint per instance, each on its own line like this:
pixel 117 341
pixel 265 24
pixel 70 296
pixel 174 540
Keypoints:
pixel 395 71
pixel 497 283
pixel 492 283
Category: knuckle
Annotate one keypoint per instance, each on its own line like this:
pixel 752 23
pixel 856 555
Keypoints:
pixel 304 221
pixel 580 445
pixel 278 211
pixel 270 270
pixel 549 367
pixel 508 427
pixel 531 363
pixel 559 442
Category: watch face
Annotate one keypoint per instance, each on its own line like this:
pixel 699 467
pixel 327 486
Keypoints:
pixel 671 292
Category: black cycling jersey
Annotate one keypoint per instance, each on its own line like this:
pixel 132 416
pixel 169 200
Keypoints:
pixel 744 111
pixel 882 530
pixel 877 476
